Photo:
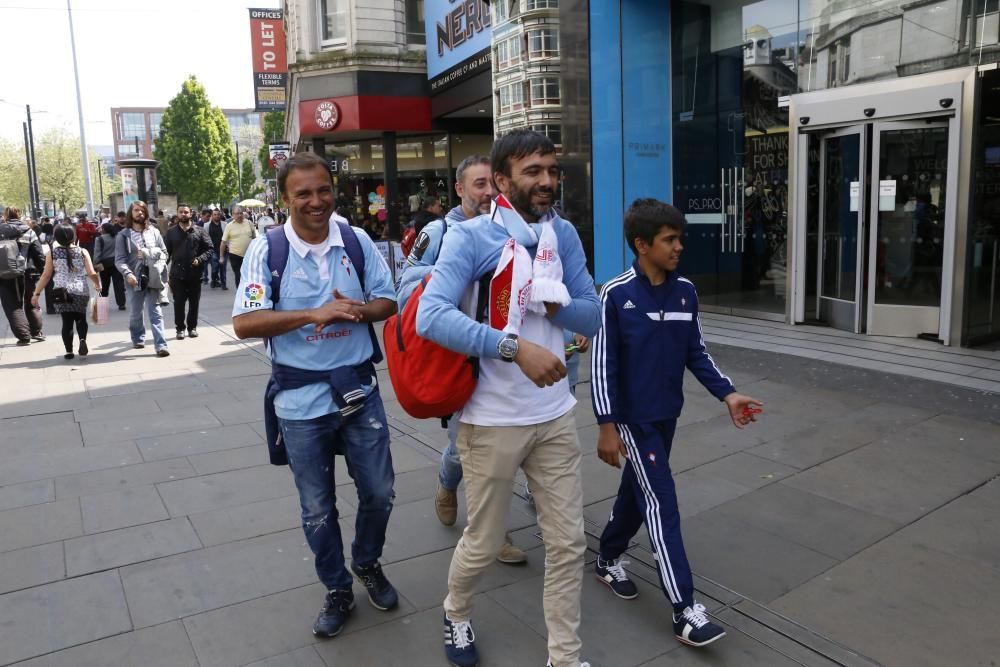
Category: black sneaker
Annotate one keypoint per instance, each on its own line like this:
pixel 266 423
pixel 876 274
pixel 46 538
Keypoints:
pixel 138 346
pixel 380 592
pixel 23 343
pixel 84 350
pixel 40 337
pixel 68 355
pixel 193 333
pixel 180 334
pixel 163 353
pixel 612 573
pixel 460 643
pixel 693 628
pixel 334 613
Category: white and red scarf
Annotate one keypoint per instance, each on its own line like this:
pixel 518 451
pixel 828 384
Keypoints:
pixel 520 285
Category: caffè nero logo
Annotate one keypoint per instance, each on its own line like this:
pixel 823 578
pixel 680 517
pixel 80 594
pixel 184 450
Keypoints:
pixel 327 115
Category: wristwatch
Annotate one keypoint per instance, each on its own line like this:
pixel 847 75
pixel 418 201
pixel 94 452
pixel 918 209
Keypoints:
pixel 507 347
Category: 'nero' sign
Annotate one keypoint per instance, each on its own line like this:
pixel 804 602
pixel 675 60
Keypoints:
pixel 458 33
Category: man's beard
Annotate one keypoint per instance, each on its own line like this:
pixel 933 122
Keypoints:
pixel 521 199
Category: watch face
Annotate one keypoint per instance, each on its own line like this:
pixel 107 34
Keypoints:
pixel 508 348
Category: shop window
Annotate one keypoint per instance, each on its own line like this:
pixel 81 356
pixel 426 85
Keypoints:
pixel 132 125
pixel 332 22
pixel 415 22
pixel 532 5
pixel 553 132
pixel 511 97
pixel 543 43
pixel 508 53
pixel 544 91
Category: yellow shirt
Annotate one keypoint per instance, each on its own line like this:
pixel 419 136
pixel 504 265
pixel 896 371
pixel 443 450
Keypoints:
pixel 238 235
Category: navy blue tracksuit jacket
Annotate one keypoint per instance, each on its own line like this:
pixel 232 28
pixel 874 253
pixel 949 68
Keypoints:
pixel 650 334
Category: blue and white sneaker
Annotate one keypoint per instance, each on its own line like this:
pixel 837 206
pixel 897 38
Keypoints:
pixel 582 664
pixel 460 643
pixel 612 574
pixel 693 628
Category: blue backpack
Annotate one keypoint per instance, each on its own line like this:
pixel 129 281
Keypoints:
pixel 277 259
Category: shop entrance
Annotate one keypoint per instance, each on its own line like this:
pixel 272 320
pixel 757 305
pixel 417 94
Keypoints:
pixel 883 197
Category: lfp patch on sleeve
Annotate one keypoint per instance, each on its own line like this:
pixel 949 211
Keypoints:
pixel 254 295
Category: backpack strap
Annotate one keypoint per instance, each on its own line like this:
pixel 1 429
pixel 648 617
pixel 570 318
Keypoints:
pixel 357 256
pixel 277 259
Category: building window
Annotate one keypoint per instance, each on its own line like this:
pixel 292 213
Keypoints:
pixel 511 97
pixel 415 22
pixel 127 150
pixel 132 125
pixel 553 132
pixel 508 53
pixel 544 91
pixel 543 43
pixel 500 11
pixel 532 5
pixel 332 22
pixel 155 119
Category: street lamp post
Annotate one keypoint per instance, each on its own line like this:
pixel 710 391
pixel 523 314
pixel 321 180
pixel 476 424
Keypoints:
pixel 239 170
pixel 79 107
pixel 32 195
pixel 100 180
pixel 33 166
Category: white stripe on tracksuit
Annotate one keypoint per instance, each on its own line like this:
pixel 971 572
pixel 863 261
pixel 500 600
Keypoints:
pixel 653 523
pixel 598 360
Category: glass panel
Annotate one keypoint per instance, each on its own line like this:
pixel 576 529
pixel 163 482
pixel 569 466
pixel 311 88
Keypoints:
pixel 840 216
pixel 131 125
pixel 913 166
pixel 415 22
pixel 333 21
pixel 983 274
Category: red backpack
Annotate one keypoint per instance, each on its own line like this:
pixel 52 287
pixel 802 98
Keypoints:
pixel 429 380
pixel 406 245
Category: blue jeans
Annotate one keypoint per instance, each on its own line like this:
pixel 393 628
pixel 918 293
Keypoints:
pixel 150 301
pixel 218 271
pixel 363 439
pixel 450 472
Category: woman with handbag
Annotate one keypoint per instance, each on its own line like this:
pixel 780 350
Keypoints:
pixel 104 263
pixel 68 266
pixel 140 256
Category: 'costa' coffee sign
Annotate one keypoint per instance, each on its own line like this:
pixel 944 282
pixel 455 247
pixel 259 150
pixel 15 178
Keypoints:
pixel 327 115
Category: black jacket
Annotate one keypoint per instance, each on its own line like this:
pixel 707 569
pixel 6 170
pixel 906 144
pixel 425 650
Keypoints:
pixel 28 242
pixel 183 248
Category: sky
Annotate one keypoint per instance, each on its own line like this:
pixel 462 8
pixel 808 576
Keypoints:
pixel 134 53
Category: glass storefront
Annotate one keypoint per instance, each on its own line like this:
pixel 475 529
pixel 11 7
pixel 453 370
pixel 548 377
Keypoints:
pixel 423 170
pixel 983 285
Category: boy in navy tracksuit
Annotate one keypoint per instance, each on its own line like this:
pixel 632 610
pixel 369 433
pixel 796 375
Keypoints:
pixel 650 334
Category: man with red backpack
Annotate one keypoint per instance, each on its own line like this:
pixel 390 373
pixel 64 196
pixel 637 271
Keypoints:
pixel 520 414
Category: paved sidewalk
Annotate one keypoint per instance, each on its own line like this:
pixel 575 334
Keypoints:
pixel 856 524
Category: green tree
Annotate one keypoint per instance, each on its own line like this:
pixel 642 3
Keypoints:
pixel 274 132
pixel 13 175
pixel 248 178
pixel 195 150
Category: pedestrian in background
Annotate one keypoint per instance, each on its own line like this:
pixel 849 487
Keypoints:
pixel 216 227
pixel 86 233
pixel 104 263
pixel 135 249
pixel 188 249
pixel 13 294
pixel 68 266
pixel 235 241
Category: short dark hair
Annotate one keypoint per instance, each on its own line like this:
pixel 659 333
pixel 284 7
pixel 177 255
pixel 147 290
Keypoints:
pixel 517 144
pixel 468 162
pixel 206 210
pixel 183 205
pixel 120 214
pixel 646 217
pixel 301 161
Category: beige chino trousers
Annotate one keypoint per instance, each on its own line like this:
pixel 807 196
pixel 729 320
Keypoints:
pixel 550 456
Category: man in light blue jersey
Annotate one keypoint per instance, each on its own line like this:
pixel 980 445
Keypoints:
pixel 520 414
pixel 323 394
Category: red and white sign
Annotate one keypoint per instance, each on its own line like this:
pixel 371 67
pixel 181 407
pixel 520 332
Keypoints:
pixel 327 115
pixel 270 61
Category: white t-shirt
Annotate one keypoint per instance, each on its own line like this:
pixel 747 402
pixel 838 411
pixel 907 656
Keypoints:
pixel 504 395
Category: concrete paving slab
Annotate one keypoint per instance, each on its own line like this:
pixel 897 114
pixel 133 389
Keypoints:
pixel 39 524
pixel 229 459
pixel 54 616
pixel 190 583
pixel 29 493
pixel 902 478
pixel 119 509
pixel 226 489
pixel 148 425
pixel 500 637
pixel 234 635
pixel 600 481
pixel 968 437
pixel 817 444
pixel 33 566
pixel 746 470
pixel 698 492
pixel 237 411
pixel 36 434
pixel 93 553
pixel 706 441
pixel 408 454
pixel 201 441
pixel 117 478
pixel 891 602
pixel 44 465
pixel 104 410
pixel 759 565
pixel 164 645
pixel 831 528
pixel 303 657
pixel 231 524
